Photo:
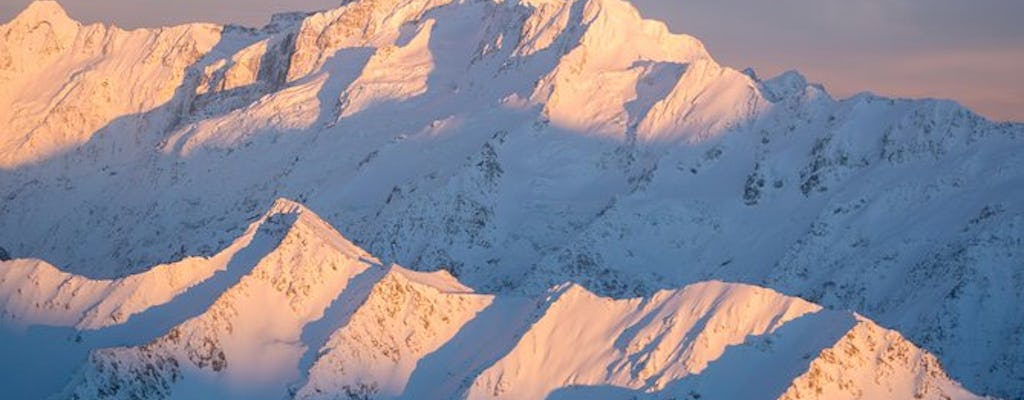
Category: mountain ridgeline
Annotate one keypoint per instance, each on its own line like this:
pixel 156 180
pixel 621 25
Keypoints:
pixel 292 309
pixel 873 247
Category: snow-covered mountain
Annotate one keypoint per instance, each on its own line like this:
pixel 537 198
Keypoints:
pixel 516 145
pixel 306 314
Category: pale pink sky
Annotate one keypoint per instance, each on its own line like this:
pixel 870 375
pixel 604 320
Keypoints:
pixel 969 51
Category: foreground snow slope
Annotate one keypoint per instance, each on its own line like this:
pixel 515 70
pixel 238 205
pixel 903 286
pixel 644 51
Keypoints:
pixel 252 337
pixel 517 144
pixel 315 317
pixel 33 292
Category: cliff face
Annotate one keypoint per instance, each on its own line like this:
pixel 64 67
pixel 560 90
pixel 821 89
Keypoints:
pixel 517 145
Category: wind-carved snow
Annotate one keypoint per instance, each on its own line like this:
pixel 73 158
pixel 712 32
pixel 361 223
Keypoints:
pixel 515 144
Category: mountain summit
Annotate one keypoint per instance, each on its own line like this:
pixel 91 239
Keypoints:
pixel 39 11
pixel 517 145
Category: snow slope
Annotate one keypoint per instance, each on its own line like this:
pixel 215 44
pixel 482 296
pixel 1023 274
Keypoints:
pixel 255 333
pixel 722 341
pixel 516 144
pixel 33 292
pixel 315 317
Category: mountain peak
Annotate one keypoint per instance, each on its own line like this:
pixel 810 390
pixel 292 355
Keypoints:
pixel 788 84
pixel 41 29
pixel 44 10
pixel 618 27
pixel 286 206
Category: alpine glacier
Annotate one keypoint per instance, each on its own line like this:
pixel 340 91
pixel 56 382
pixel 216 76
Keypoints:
pixel 595 206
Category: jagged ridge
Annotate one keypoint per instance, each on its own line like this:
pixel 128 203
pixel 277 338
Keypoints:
pixel 316 317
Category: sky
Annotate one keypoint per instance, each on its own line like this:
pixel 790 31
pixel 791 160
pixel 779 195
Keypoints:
pixel 969 51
